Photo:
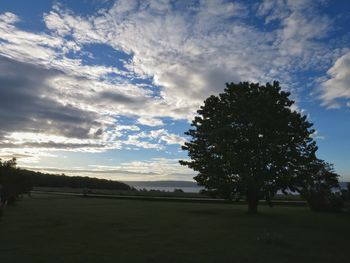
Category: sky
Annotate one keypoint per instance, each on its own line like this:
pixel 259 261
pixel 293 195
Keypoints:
pixel 107 88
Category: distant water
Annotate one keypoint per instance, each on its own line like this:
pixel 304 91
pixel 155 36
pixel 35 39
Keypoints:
pixel 344 185
pixel 187 187
pixel 167 186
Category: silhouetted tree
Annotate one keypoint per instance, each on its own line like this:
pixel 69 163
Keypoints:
pixel 347 191
pixel 319 185
pixel 249 142
pixel 13 181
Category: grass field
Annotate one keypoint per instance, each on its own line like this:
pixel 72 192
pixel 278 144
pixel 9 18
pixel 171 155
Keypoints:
pixel 50 228
pixel 146 193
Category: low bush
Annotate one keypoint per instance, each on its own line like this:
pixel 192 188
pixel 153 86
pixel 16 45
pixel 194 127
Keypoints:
pixel 325 201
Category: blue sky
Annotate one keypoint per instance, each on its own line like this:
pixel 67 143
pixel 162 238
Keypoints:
pixel 107 88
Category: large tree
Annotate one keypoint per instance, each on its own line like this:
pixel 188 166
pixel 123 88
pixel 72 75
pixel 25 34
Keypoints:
pixel 249 142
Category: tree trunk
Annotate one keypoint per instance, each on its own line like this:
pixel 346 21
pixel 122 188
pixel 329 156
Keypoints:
pixel 253 202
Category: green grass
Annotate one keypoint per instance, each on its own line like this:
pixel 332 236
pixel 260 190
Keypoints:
pixel 119 192
pixel 51 228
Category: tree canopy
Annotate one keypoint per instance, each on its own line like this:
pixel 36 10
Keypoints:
pixel 249 142
pixel 12 182
pixel 319 185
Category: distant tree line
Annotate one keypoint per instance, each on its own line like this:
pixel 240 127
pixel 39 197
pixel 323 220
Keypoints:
pixel 50 180
pixel 14 182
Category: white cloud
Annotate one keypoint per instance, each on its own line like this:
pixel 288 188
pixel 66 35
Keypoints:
pixel 152 169
pixel 162 167
pixel 317 136
pixel 154 139
pixel 189 49
pixel 150 121
pixel 299 33
pixel 170 138
pixel 9 18
pixel 338 85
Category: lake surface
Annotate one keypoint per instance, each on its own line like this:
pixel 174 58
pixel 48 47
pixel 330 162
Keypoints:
pixel 167 186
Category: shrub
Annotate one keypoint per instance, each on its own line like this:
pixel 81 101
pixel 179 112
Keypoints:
pixel 325 201
pixel 319 186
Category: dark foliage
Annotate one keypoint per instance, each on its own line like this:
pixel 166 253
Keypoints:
pixel 320 187
pixel 249 142
pixel 15 181
pixel 346 192
pixel 50 180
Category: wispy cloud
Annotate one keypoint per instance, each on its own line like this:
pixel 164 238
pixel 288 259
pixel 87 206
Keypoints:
pixel 153 169
pixel 55 95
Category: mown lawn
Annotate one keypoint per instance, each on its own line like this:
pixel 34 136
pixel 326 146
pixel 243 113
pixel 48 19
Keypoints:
pixel 51 228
